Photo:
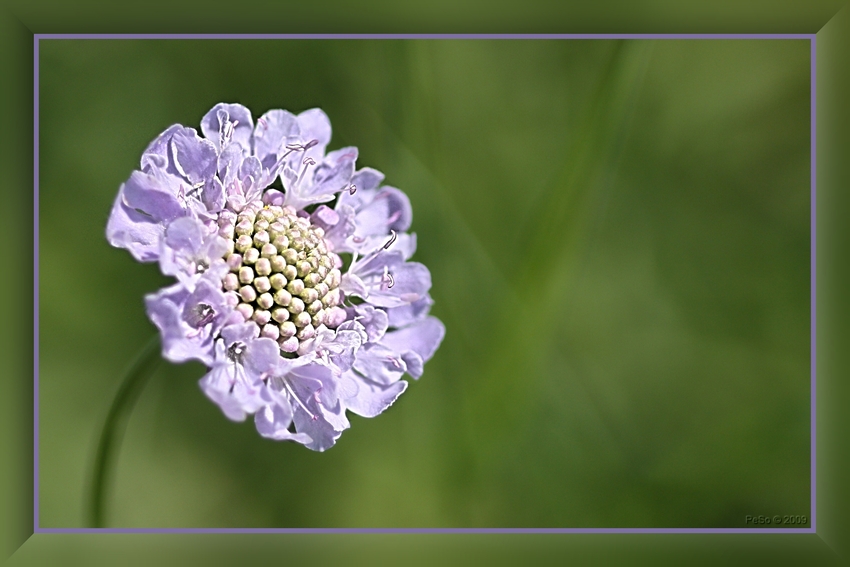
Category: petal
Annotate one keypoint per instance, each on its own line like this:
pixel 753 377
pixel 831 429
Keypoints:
pixel 216 385
pixel 322 434
pixel 211 124
pixel 334 173
pixel 379 363
pixel 374 321
pixel 229 161
pixel 366 182
pixel 242 332
pixel 389 210
pixel 315 125
pixel 185 234
pixel 273 131
pixel 410 313
pixel 367 398
pixel 261 356
pixel 165 310
pixel 326 179
pixel 411 281
pixel 207 296
pixel 415 364
pixel 367 179
pixel 352 285
pixel 316 407
pixel 342 229
pixel 423 338
pixel 314 380
pixel 251 167
pixel 195 158
pixel 212 195
pixel 324 217
pixel 157 154
pixel 134 231
pixel 152 196
pixel 273 422
pixel 273 197
pixel 342 347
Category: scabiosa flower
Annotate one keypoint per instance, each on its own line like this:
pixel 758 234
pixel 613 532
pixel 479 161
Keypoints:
pixel 290 333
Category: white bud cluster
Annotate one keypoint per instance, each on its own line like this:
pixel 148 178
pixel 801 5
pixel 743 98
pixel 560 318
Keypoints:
pixel 282 274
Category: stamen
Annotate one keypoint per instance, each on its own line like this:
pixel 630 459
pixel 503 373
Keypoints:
pixel 262 122
pixel 352 189
pixel 300 403
pixel 323 354
pixel 233 382
pixel 394 362
pixel 308 161
pixel 227 132
pixel 390 241
pixel 300 148
pixel 204 314
pixel 194 190
pixel 387 281
pixel 235 351
pixel 358 239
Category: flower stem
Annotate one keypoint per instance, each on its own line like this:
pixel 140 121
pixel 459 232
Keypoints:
pixel 135 378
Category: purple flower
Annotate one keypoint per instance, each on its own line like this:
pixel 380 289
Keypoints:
pixel 291 333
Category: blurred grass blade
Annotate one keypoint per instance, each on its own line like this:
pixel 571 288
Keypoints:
pixel 563 217
pixel 562 212
pixel 137 375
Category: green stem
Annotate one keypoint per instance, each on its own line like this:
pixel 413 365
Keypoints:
pixel 135 378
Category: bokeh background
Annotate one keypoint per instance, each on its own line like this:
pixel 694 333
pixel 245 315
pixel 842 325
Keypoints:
pixel 618 235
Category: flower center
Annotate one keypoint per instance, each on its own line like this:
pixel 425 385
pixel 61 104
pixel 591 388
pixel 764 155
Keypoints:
pixel 282 275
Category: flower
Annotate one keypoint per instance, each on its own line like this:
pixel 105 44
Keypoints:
pixel 290 332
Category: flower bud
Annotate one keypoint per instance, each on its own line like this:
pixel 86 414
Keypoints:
pixel 261 316
pixel 302 319
pixel 276 263
pixel 234 262
pixel 248 293
pixel 243 243
pixel 245 310
pixel 296 306
pixel 246 275
pixel 265 300
pixel 251 255
pixel 231 282
pixel 280 314
pixel 282 297
pixel 287 329
pixel 263 267
pixel 295 287
pixel 289 345
pixel 270 331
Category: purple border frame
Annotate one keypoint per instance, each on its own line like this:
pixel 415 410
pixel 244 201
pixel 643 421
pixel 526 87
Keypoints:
pixel 813 354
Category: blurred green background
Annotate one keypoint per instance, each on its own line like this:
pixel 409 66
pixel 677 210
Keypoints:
pixel 618 235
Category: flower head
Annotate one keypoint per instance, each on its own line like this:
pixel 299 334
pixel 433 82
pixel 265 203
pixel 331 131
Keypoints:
pixel 290 332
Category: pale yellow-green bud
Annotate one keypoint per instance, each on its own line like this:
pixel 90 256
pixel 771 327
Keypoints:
pixel 282 274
